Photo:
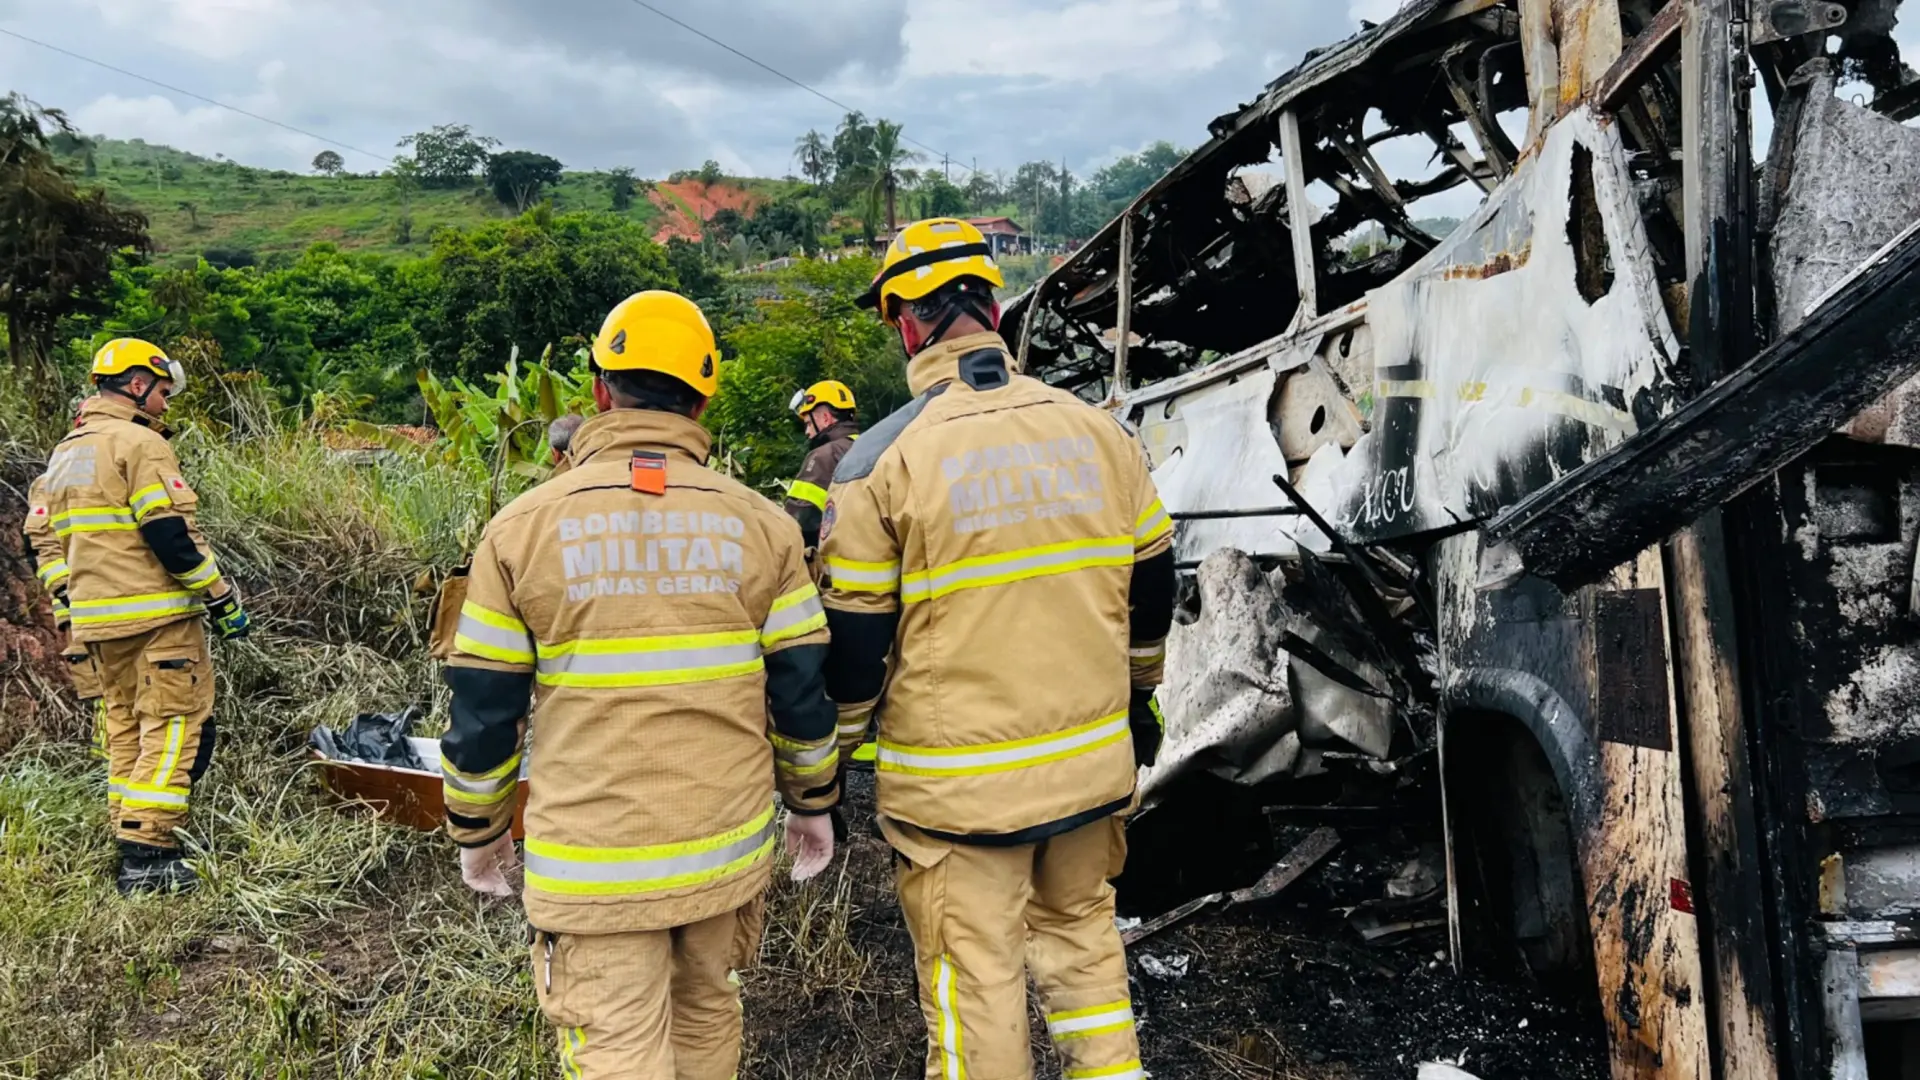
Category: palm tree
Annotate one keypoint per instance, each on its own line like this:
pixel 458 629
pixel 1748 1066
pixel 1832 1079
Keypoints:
pixel 812 152
pixel 852 147
pixel 889 155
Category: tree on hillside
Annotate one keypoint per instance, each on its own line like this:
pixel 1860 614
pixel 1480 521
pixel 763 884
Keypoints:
pixel 405 177
pixel 328 163
pixel 888 157
pixel 518 176
pixel 937 197
pixel 785 222
pixel 449 155
pixel 710 173
pixel 193 215
pixel 698 278
pixel 812 331
pixel 814 155
pixel 1033 189
pixel 59 246
pixel 69 144
pixel 1119 183
pixel 621 188
pixel 852 152
pixel 724 224
pixel 532 283
pixel 984 192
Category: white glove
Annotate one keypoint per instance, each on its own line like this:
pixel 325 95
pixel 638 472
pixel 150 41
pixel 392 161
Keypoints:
pixel 485 869
pixel 810 842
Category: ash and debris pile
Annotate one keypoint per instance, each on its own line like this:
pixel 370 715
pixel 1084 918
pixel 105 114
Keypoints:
pixel 1285 896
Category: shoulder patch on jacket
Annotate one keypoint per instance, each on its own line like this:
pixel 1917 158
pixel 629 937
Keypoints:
pixel 862 456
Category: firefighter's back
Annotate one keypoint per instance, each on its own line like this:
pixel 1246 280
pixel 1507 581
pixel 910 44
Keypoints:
pixel 117 587
pixel 647 614
pixel 1016 508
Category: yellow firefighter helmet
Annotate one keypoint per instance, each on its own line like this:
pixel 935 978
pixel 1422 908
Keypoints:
pixel 925 256
pixel 827 392
pixel 660 331
pixel 122 355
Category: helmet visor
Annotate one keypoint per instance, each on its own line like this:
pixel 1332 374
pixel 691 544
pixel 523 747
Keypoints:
pixel 799 399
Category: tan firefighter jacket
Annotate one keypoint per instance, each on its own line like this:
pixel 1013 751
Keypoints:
pixel 1000 519
pixel 125 548
pixel 665 614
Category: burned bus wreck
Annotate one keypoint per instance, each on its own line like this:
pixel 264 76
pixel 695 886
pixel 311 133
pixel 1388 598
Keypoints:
pixel 1608 496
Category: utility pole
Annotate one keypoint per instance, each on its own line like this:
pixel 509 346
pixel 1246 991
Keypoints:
pixel 1037 234
pixel 946 166
pixel 1066 203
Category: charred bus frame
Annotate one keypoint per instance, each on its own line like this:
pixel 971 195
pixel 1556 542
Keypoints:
pixel 1613 424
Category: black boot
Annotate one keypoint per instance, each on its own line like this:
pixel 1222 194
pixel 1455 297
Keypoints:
pixel 144 868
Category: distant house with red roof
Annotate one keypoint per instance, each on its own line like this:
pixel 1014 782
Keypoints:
pixel 1004 233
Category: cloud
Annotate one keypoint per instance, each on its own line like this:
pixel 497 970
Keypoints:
pixel 598 83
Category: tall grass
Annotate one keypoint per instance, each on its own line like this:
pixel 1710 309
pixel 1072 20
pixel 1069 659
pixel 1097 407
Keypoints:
pixel 324 943
pixel 332 551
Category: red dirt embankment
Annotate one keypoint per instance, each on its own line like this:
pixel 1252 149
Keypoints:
pixel 686 205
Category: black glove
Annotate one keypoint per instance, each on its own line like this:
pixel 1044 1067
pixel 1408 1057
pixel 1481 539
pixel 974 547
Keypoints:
pixel 839 825
pixel 1143 718
pixel 229 619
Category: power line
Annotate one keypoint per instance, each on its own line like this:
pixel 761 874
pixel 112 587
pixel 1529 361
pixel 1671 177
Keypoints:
pixel 188 93
pixel 843 106
pixel 836 103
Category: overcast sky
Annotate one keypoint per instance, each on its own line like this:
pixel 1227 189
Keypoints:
pixel 598 83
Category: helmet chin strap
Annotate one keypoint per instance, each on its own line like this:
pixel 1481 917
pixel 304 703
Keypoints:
pixel 987 314
pixel 139 400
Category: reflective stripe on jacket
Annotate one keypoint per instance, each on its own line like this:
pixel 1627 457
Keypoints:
pixel 1001 522
pixel 674 643
pixel 112 474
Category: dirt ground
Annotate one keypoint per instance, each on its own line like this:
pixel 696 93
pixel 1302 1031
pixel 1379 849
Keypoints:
pixel 1280 990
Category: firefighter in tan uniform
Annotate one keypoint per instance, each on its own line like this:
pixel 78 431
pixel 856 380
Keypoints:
pixel 1003 541
pixel 138 579
pixel 665 614
pixel 50 563
pixel 826 410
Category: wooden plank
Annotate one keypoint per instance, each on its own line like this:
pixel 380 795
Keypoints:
pixel 1125 328
pixel 1653 46
pixel 1542 57
pixel 1299 217
pixel 1858 346
pixel 1590 42
pixel 1634 867
pixel 1731 879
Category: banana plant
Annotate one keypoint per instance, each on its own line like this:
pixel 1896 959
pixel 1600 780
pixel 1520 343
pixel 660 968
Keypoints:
pixel 503 427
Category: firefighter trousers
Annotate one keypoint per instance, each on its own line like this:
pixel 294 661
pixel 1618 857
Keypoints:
pixel 648 1004
pixel 983 918
pixel 159 728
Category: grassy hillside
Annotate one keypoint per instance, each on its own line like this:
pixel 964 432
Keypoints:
pixel 234 208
